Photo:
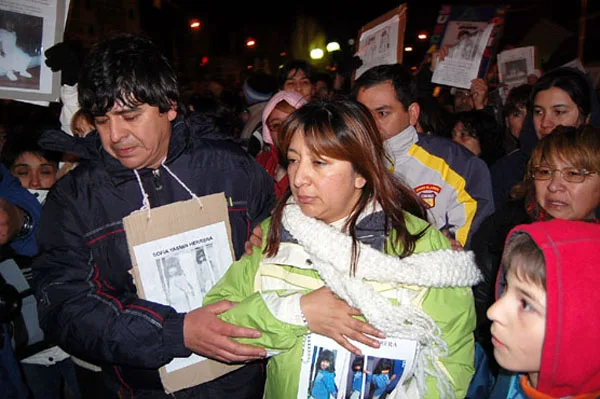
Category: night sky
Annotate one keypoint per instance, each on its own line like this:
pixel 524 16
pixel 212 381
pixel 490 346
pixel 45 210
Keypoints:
pixel 342 20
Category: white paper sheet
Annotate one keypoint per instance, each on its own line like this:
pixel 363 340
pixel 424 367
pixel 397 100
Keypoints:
pixel 179 270
pixel 463 61
pixel 399 352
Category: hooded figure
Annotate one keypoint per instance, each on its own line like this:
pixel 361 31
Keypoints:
pixel 269 158
pixel 569 366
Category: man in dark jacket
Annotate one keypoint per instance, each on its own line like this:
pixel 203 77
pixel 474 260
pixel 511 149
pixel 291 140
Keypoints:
pixel 144 152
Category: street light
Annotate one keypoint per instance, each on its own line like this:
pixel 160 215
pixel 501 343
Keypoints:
pixel 316 54
pixel 408 49
pixel 195 24
pixel 422 36
pixel 250 42
pixel 333 46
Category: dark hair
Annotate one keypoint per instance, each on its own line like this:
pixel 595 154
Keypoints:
pixel 383 364
pixel 324 77
pixel 433 118
pixel 344 129
pixel 129 69
pixel 24 138
pixel 328 355
pixel 297 65
pixel 486 130
pixel 522 256
pixel 518 97
pixel 358 361
pixel 399 75
pixel 573 82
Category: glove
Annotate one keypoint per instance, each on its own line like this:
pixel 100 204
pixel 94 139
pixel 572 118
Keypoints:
pixel 61 57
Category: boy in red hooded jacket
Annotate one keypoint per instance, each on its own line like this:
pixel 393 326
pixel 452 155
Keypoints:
pixel 545 320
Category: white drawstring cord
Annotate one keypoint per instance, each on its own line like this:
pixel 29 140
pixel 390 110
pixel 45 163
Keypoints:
pixel 145 198
pixel 194 196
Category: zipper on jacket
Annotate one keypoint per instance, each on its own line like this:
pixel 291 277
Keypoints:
pixel 158 186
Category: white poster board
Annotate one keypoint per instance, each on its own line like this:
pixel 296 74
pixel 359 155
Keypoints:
pixel 27 29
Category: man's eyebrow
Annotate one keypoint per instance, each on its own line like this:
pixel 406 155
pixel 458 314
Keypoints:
pixel 127 110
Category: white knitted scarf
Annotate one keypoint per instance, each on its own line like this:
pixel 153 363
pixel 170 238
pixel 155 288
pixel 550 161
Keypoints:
pixel 331 251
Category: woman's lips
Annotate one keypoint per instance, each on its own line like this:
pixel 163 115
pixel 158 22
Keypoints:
pixel 305 199
pixel 497 343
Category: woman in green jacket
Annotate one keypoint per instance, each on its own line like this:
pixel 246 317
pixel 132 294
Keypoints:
pixel 348 228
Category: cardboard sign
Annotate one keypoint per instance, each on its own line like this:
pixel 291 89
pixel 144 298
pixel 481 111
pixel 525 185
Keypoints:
pixel 381 41
pixel 178 252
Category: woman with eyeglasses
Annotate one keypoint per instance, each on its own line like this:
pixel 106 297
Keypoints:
pixel 561 182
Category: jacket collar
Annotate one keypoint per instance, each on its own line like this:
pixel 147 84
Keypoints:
pixel 397 146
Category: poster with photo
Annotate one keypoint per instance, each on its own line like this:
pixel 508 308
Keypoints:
pixel 27 29
pixel 515 65
pixel 179 270
pixel 334 372
pixel 455 23
pixel 381 41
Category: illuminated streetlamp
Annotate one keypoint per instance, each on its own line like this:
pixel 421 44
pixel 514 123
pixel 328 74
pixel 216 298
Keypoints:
pixel 195 24
pixel 316 54
pixel 333 46
pixel 250 42
pixel 408 49
pixel 422 36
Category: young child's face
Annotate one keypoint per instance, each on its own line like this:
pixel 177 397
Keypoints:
pixel 518 325
pixel 324 364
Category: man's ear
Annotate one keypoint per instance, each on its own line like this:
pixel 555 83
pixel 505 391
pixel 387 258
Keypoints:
pixel 413 113
pixel 172 112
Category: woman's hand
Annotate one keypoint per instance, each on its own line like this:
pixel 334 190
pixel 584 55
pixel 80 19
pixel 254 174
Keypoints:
pixel 332 317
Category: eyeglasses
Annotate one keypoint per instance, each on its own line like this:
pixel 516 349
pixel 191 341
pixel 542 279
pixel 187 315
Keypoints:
pixel 572 175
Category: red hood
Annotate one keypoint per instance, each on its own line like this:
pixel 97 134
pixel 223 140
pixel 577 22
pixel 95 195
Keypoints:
pixel 571 353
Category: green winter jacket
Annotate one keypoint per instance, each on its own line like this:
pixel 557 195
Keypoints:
pixel 268 286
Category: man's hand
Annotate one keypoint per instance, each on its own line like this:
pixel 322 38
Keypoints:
pixel 207 335
pixel 254 241
pixel 479 90
pixel 455 244
pixel 330 316
pixel 11 220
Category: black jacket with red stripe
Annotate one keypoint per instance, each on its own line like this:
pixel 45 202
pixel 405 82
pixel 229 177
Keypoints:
pixel 87 298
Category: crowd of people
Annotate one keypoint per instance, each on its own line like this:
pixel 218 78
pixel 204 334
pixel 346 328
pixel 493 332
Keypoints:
pixel 387 241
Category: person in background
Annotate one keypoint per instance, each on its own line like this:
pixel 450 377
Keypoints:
pixel 277 110
pixel 341 235
pixel 545 312
pixel 35 167
pixel 454 183
pixel 19 223
pixel 478 132
pixel 258 88
pixel 323 85
pixel 82 123
pixel 297 75
pixel 563 96
pixel 562 182
pixel 515 109
pixel 49 371
pixel 144 151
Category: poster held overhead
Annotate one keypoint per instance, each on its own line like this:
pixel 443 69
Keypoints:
pixel 27 29
pixel 381 41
